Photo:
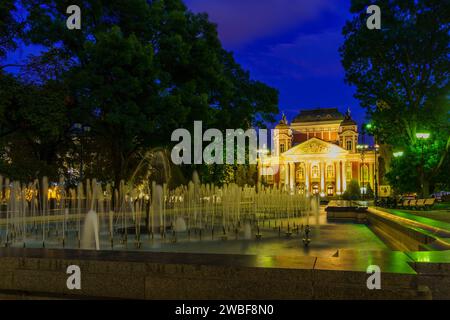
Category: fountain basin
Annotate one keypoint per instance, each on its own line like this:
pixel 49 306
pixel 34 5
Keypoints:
pixel 129 275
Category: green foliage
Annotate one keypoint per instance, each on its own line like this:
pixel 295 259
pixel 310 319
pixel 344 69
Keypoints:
pixel 136 71
pixel 246 175
pixel 33 128
pixel 121 95
pixel 353 191
pixel 402 77
pixel 404 174
pixel 369 192
pixel 222 174
pixel 9 27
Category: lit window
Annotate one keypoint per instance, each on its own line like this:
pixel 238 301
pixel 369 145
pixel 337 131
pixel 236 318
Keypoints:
pixel 315 189
pixel 330 172
pixel 349 145
pixel 301 173
pixel 315 172
pixel 330 190
pixel 348 172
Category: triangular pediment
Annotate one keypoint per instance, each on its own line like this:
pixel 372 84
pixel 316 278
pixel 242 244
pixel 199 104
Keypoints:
pixel 315 146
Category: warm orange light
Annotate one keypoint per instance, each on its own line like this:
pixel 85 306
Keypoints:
pixel 53 193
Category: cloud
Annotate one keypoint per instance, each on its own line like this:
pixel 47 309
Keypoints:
pixel 243 21
pixel 312 55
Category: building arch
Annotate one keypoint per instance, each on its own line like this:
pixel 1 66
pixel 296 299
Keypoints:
pixel 315 172
pixel 330 189
pixel 300 173
pixel 330 171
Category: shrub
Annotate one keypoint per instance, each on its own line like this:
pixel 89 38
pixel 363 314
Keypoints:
pixel 353 191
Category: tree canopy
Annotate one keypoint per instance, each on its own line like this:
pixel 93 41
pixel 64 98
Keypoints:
pixel 9 27
pixel 402 78
pixel 136 71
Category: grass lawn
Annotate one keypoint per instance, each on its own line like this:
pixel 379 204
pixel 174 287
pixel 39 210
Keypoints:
pixel 435 215
pixel 440 212
pixel 442 206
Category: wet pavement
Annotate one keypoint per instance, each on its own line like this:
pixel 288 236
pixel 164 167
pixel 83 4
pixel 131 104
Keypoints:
pixel 326 239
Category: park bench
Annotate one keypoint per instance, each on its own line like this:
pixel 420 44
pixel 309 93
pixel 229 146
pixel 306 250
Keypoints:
pixel 420 204
pixel 412 204
pixel 405 204
pixel 429 203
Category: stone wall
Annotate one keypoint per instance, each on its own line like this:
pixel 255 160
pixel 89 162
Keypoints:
pixel 42 273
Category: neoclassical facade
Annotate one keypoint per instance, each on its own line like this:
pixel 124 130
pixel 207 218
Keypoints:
pixel 318 153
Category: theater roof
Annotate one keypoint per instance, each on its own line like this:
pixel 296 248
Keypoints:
pixel 325 114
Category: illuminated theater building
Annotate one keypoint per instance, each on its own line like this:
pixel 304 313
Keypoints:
pixel 318 153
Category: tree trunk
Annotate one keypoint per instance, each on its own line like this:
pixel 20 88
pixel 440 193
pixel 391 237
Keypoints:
pixel 426 188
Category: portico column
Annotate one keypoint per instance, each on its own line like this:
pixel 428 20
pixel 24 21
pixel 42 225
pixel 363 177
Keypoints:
pixel 344 176
pixel 306 177
pixel 338 178
pixel 322 177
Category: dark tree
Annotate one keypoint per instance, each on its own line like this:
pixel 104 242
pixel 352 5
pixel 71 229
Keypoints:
pixel 402 75
pixel 137 70
pixel 10 27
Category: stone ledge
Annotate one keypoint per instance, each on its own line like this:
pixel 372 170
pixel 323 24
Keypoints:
pixel 167 276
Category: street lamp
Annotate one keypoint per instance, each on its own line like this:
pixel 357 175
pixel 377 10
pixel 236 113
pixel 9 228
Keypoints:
pixel 422 137
pixel 376 148
pixel 373 131
pixel 362 148
pixel 81 131
pixel 398 154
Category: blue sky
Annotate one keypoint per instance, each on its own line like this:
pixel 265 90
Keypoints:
pixel 291 45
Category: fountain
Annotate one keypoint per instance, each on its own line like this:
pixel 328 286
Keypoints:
pixel 247 231
pixel 90 239
pixel 180 225
pixel 94 216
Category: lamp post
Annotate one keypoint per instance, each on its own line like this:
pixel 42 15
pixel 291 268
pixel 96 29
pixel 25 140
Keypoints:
pixel 373 131
pixel 362 148
pixel 397 155
pixel 422 137
pixel 376 147
pixel 81 131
